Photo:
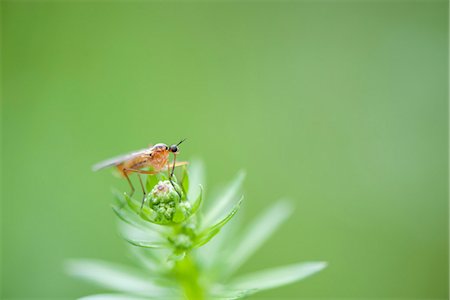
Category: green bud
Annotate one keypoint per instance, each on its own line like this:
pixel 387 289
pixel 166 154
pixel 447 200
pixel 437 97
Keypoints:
pixel 181 241
pixel 190 228
pixel 163 192
pixel 165 201
pixel 182 211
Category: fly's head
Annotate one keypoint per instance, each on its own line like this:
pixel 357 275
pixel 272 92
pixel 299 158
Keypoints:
pixel 174 148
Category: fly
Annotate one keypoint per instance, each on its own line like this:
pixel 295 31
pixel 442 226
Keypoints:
pixel 156 157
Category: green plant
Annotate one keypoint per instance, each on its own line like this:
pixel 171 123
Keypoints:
pixel 172 240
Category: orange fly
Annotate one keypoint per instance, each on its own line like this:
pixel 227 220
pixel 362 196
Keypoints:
pixel 156 157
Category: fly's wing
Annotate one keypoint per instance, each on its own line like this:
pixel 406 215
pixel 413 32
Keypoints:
pixel 118 159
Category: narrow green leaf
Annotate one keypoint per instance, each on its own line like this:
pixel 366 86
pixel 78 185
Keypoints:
pixel 276 277
pixel 162 176
pixel 221 204
pixel 211 231
pixel 115 277
pixel 152 180
pixel 149 259
pixel 198 202
pixel 114 297
pixel 224 294
pixel 152 233
pixel 146 213
pixel 148 244
pixel 136 207
pixel 178 215
pixel 196 178
pixel 257 234
pixel 124 217
pixel 185 181
pixel 119 197
pixel 128 216
pixel 177 256
pixel 213 255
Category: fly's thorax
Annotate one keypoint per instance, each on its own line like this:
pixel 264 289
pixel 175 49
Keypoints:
pixel 159 159
pixel 159 147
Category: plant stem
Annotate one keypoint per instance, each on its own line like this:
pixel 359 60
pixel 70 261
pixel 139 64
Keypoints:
pixel 188 276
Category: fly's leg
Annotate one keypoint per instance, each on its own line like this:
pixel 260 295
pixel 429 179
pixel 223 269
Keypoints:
pixel 171 170
pixel 129 182
pixel 143 190
pixel 178 192
pixel 173 166
pixel 171 175
pixel 125 171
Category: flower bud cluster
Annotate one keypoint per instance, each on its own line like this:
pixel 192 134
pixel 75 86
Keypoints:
pixel 166 202
pixel 182 242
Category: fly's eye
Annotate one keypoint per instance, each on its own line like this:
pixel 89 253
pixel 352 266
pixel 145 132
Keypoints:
pixel 173 149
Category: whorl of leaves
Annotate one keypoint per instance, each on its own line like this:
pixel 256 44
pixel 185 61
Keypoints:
pixel 178 255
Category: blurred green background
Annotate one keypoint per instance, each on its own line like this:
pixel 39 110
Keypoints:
pixel 341 106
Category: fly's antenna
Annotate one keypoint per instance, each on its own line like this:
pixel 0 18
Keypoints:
pixel 181 141
pixel 174 159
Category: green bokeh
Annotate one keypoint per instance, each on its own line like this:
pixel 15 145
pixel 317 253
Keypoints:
pixel 340 106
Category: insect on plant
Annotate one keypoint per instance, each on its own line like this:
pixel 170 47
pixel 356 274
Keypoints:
pixel 155 157
pixel 173 237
